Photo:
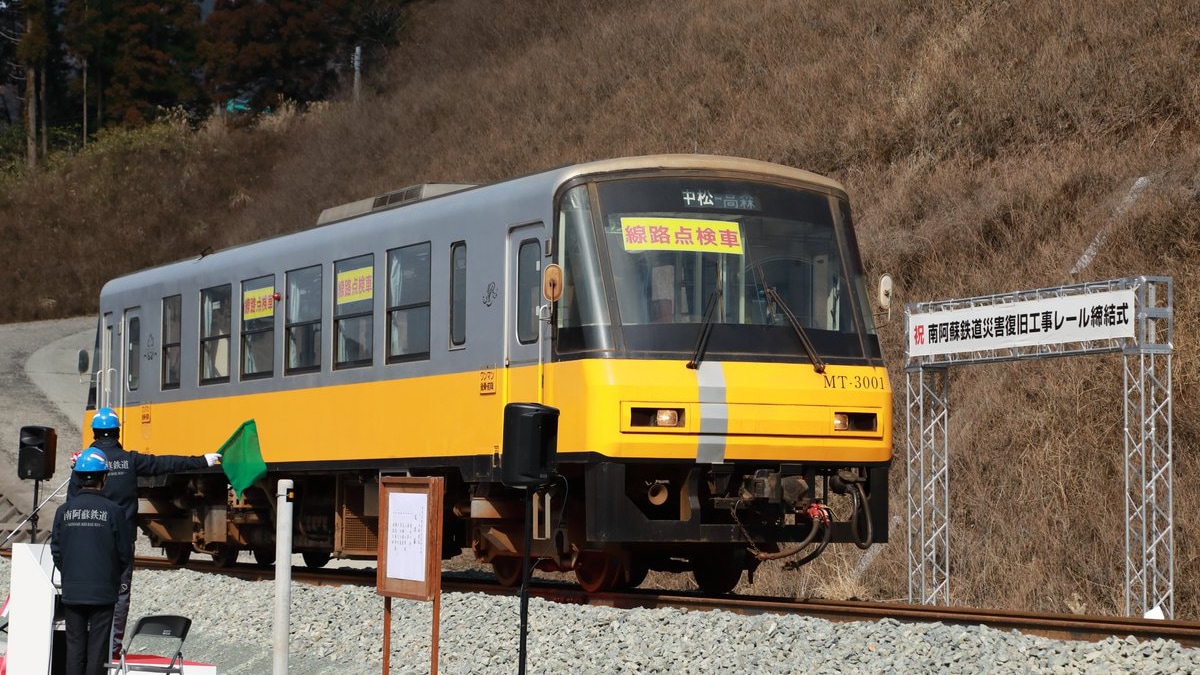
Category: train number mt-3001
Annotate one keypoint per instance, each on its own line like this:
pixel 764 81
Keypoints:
pixel 701 324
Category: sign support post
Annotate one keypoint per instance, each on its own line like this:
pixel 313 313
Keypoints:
pixel 410 551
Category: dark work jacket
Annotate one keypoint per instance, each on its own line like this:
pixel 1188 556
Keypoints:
pixel 91 544
pixel 124 467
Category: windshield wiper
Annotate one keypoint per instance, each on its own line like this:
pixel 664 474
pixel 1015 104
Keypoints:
pixel 817 363
pixel 705 328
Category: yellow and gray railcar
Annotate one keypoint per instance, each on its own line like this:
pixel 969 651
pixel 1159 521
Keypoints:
pixel 700 322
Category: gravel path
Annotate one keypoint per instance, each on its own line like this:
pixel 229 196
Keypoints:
pixel 339 630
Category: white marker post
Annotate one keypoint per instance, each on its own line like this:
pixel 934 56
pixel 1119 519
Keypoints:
pixel 283 574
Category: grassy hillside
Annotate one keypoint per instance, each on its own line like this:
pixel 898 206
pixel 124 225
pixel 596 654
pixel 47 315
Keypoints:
pixel 986 146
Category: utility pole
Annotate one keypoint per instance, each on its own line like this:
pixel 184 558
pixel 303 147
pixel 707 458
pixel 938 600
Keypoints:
pixel 85 114
pixel 357 71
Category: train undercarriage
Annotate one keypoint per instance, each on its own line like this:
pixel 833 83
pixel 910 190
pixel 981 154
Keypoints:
pixel 610 523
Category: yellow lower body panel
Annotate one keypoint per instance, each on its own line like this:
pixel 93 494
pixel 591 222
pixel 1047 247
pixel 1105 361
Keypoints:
pixel 742 411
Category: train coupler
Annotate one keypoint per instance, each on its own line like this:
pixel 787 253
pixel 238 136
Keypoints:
pixel 775 488
pixel 845 480
pixel 764 484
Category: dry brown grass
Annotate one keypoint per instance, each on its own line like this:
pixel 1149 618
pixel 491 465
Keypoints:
pixel 985 144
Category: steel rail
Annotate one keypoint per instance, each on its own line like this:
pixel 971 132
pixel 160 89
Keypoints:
pixel 1080 627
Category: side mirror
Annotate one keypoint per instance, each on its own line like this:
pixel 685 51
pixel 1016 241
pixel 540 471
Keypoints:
pixel 552 282
pixel 885 295
pixel 83 362
pixel 885 291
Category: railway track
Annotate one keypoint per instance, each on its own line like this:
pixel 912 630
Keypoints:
pixel 1090 628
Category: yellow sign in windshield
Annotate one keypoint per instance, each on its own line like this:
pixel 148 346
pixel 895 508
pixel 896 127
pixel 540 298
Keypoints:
pixel 681 234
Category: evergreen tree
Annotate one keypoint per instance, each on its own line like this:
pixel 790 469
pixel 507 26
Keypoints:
pixel 241 50
pixel 33 51
pixel 12 71
pixel 295 49
pixel 150 61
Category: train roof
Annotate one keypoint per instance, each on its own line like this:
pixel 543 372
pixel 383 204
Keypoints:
pixel 682 161
pixel 417 198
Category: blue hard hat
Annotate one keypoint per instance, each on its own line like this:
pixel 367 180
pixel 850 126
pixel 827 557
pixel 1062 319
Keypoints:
pixel 106 418
pixel 91 460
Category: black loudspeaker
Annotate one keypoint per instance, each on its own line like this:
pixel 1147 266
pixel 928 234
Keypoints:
pixel 35 460
pixel 530 444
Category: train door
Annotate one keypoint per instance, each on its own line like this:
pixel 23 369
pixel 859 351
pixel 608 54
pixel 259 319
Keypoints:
pixel 105 369
pixel 523 300
pixel 131 361
pixel 120 361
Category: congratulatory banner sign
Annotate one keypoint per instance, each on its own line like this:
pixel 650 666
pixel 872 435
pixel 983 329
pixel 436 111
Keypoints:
pixel 1046 321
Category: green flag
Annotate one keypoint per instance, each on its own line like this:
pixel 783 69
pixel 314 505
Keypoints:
pixel 241 458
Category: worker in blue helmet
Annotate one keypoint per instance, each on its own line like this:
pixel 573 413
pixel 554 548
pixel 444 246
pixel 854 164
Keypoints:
pixel 91 544
pixel 124 468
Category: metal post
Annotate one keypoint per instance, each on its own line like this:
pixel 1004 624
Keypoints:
pixel 33 517
pixel 357 71
pixel 928 486
pixel 1149 463
pixel 283 574
pixel 525 579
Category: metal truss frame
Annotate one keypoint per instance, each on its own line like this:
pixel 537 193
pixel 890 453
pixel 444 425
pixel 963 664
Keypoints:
pixel 928 394
pixel 1149 493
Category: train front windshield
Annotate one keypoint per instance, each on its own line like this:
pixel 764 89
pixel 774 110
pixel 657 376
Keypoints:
pixel 665 256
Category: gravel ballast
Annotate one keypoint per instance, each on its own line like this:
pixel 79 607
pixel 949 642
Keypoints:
pixel 340 629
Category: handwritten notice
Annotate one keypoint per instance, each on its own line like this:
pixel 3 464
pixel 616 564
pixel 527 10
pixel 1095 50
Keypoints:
pixel 407 522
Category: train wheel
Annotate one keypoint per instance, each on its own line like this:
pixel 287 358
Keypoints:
pixel 508 570
pixel 316 559
pixel 636 574
pixel 177 554
pixel 224 556
pixel 717 574
pixel 597 572
pixel 264 557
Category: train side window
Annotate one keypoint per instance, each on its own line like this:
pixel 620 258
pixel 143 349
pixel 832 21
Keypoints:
pixel 133 350
pixel 303 325
pixel 353 324
pixel 171 340
pixel 458 293
pixel 215 323
pixel 258 327
pixel 408 303
pixel 529 290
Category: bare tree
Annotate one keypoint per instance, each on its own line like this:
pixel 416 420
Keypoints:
pixel 31 110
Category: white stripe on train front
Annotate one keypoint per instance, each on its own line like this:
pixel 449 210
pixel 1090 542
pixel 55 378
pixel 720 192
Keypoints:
pixel 714 413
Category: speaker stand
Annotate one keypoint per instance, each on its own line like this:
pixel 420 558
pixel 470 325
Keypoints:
pixel 525 579
pixel 33 518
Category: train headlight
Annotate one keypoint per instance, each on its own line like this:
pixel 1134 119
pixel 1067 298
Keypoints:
pixel 855 421
pixel 656 417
